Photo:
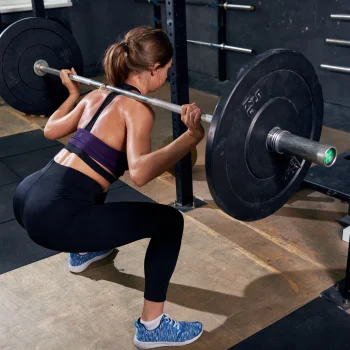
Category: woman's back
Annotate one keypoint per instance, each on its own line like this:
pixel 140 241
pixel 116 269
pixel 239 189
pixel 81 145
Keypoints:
pixel 108 129
pixel 110 125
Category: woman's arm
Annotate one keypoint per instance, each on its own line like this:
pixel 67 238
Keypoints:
pixel 66 118
pixel 145 165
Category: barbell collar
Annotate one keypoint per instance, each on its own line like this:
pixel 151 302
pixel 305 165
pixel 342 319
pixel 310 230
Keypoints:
pixel 283 142
pixel 41 68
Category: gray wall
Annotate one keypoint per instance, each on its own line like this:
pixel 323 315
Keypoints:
pixel 302 25
pixel 297 24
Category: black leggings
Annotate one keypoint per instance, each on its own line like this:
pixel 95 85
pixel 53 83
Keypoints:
pixel 63 210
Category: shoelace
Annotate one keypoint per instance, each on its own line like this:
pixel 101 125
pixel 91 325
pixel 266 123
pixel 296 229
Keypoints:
pixel 170 321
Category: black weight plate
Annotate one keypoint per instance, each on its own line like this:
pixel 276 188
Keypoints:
pixel 278 88
pixel 21 45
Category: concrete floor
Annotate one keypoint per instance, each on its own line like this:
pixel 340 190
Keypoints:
pixel 235 277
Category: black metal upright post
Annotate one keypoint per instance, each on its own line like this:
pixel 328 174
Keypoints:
pixel 176 26
pixel 157 16
pixel 38 8
pixel 222 71
pixel 346 292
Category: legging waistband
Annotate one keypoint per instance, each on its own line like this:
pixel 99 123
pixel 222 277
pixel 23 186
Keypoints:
pixel 72 177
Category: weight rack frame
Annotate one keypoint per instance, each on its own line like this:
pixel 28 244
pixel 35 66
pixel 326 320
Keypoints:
pixel 178 77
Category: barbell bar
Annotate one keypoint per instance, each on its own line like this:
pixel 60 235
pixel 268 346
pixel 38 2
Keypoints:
pixel 280 141
pixel 340 17
pixel 226 5
pixel 263 134
pixel 338 42
pixel 41 68
pixel 332 68
pixel 222 46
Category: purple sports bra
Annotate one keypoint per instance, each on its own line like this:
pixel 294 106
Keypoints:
pixel 91 149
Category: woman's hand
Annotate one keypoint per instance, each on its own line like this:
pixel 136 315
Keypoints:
pixel 191 117
pixel 72 86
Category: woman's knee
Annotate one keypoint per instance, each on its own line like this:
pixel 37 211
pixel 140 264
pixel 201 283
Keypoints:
pixel 176 221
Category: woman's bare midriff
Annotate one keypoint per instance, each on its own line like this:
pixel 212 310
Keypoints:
pixel 71 160
pixel 110 119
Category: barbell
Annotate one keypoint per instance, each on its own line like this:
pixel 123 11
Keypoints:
pixel 263 135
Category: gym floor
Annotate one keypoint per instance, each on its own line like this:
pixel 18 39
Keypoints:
pixel 237 278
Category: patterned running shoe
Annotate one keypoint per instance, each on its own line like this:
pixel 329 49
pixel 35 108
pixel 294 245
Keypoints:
pixel 168 333
pixel 79 262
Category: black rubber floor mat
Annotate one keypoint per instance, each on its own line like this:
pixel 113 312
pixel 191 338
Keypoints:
pixel 336 117
pixel 334 181
pixel 24 142
pixel 28 163
pixel 318 325
pixel 6 199
pixel 6 175
pixel 17 249
pixel 117 184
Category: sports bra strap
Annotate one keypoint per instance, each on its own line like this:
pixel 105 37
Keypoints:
pixel 90 162
pixel 106 102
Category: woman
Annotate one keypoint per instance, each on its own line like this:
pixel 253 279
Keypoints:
pixel 62 205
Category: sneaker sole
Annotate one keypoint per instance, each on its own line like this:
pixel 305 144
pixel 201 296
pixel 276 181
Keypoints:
pixel 151 345
pixel 82 267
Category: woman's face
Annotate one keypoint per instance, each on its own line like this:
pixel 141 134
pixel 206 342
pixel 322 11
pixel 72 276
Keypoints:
pixel 158 77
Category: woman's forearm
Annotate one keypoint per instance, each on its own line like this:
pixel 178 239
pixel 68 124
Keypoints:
pixel 149 166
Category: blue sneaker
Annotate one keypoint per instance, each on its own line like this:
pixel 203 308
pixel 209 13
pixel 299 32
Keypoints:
pixel 79 262
pixel 168 333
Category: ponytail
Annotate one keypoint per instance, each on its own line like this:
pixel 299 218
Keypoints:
pixel 115 65
pixel 140 50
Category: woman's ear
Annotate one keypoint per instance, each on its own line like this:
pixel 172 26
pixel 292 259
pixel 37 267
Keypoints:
pixel 155 68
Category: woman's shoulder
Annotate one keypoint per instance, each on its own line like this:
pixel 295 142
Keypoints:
pixel 130 105
pixel 94 95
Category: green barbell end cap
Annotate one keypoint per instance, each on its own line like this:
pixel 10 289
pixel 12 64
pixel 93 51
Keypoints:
pixel 329 156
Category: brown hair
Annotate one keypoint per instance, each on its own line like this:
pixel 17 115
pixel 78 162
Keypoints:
pixel 140 49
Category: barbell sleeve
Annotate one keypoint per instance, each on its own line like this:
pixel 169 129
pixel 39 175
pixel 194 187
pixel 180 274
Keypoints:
pixel 41 67
pixel 282 141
